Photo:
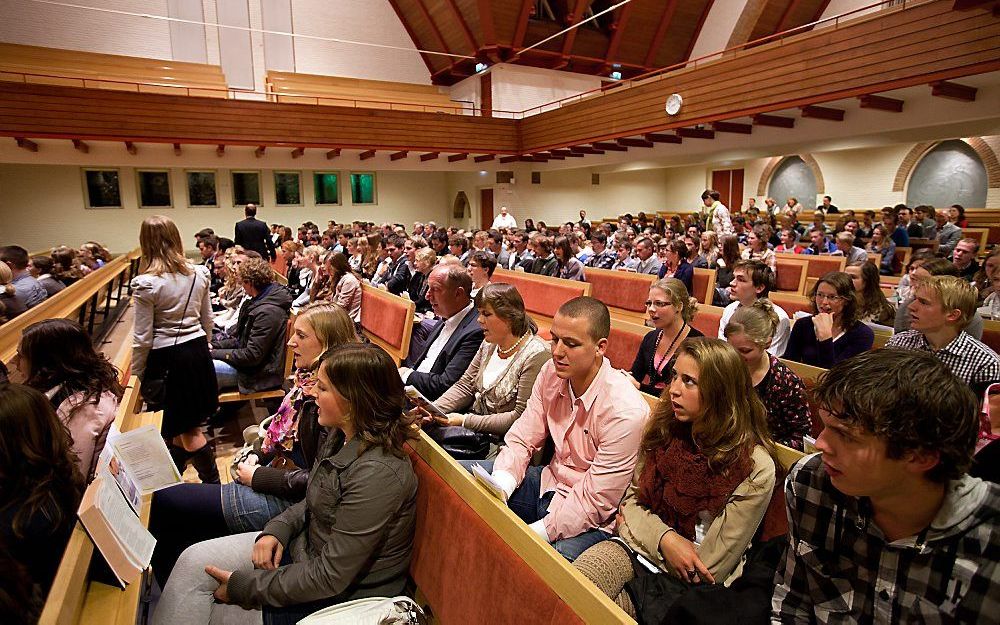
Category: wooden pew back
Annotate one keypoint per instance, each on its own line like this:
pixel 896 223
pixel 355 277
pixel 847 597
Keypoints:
pixel 991 334
pixel 542 295
pixel 707 320
pixel 791 274
pixel 703 285
pixel 387 321
pixel 287 372
pixel 623 292
pixel 624 342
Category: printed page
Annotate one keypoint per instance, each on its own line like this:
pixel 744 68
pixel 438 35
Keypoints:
pixel 144 456
pixel 135 540
pixel 488 482
pixel 418 399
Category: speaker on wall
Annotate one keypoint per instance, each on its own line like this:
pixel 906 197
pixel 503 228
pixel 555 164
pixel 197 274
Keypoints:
pixel 536 177
pixel 505 177
pixel 595 178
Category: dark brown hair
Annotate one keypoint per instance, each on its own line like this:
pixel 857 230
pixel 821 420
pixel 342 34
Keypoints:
pixel 59 351
pixel 844 285
pixel 505 301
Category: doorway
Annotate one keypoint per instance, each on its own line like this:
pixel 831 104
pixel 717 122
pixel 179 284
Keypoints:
pixel 486 207
pixel 729 184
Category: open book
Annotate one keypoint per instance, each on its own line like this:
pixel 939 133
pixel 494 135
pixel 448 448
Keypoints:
pixel 143 463
pixel 488 482
pixel 418 399
pixel 115 529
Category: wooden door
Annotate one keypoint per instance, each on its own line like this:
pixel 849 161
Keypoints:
pixel 486 207
pixel 729 184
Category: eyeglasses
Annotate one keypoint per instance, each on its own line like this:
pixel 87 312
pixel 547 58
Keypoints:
pixel 658 304
pixel 828 298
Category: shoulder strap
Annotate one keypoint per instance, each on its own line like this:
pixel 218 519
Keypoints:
pixel 194 278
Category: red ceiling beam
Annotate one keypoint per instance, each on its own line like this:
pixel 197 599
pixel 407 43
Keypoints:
pixel 658 137
pixel 434 27
pixel 743 129
pixel 464 27
pixel 454 158
pixel 570 37
pixel 697 29
pixel 774 121
pixel 26 144
pixel 695 133
pixel 509 159
pixel 607 145
pixel 635 143
pixel 661 31
pixel 533 158
pixel 486 25
pixel 584 149
pixel 484 158
pixel 395 156
pixel 259 152
pixel 550 155
pixel 619 26
pixel 220 151
pixel 297 152
pixel 789 9
pixel 881 103
pixel 565 153
pixel 430 156
pixel 332 154
pixel 80 145
pixel 953 90
pixel 130 148
pixel 367 154
pixel 177 149
pixel 823 112
pixel 527 10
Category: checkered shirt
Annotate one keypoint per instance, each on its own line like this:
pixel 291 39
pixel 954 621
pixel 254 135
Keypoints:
pixel 604 260
pixel 839 568
pixel 969 359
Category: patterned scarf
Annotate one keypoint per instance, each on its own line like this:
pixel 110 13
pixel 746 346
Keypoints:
pixel 281 432
pixel 677 484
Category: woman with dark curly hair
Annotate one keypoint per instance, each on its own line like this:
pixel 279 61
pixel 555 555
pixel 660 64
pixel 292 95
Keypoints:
pixel 833 332
pixel 349 538
pixel 40 484
pixel 57 358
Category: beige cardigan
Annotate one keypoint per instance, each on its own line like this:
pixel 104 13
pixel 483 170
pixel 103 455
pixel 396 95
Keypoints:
pixel 729 534
pixel 495 409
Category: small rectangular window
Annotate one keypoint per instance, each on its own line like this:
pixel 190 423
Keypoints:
pixel 536 177
pixel 326 185
pixel 287 188
pixel 201 189
pixel 363 188
pixel 102 188
pixel 246 188
pixel 154 188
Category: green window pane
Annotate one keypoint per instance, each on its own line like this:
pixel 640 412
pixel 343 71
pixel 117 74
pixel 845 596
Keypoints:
pixel 327 187
pixel 286 189
pixel 246 188
pixel 363 188
pixel 201 188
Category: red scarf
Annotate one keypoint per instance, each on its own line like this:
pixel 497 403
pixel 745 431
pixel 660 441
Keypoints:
pixel 676 483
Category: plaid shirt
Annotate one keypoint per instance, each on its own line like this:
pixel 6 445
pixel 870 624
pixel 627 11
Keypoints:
pixel 604 260
pixel 971 360
pixel 839 568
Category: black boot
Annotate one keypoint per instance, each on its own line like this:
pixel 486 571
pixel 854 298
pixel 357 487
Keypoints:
pixel 180 456
pixel 204 462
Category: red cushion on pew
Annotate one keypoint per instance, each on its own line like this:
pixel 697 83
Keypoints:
pixel 622 348
pixel 386 318
pixel 619 289
pixel 542 298
pixel 706 321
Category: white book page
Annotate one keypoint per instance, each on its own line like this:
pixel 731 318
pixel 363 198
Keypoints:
pixel 136 541
pixel 144 455
pixel 418 399
pixel 488 482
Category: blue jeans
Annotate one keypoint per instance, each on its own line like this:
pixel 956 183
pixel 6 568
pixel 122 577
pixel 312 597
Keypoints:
pixel 530 505
pixel 246 510
pixel 225 374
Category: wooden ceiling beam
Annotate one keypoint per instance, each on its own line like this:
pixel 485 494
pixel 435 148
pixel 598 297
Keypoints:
pixel 484 158
pixel 954 91
pixel 430 156
pixel 130 148
pixel 259 152
pixel 464 27
pixel 789 10
pixel 413 35
pixel 881 103
pixel 220 150
pixel 585 149
pixel 177 149
pixel 395 156
pixel 26 144
pixel 607 145
pixel 570 37
pixel 618 27
pixel 695 133
pixel 658 137
pixel 565 153
pixel 527 10
pixel 367 154
pixel 488 28
pixel 823 112
pixel 635 143
pixel 434 26
pixel 661 31
pixel 454 158
pixel 80 145
pixel 774 121
pixel 332 154
pixel 298 152
pixel 733 127
pixel 509 159
pixel 533 158
pixel 550 155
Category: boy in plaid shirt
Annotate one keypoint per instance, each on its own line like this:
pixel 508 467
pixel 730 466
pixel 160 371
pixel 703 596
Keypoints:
pixel 885 524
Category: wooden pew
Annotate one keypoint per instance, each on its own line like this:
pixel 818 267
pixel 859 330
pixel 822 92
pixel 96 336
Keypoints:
pixel 791 303
pixel 475 561
pixel 624 342
pixel 231 396
pixel 387 321
pixel 543 295
pixel 707 320
pixel 991 334
pixel 703 285
pixel 982 235
pixel 791 274
pixel 623 292
pixel 357 92
pixel 901 260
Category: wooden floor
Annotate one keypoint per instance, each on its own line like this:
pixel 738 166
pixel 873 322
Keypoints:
pixel 228 440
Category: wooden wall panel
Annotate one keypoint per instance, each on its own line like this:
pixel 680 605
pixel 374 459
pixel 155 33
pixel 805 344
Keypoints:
pixel 892 50
pixel 46 111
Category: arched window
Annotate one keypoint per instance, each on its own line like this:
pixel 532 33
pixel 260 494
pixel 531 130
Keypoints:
pixel 950 173
pixel 793 178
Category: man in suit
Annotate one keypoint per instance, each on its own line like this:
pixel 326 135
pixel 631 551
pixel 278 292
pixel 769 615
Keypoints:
pixel 254 234
pixel 438 361
pixel 397 274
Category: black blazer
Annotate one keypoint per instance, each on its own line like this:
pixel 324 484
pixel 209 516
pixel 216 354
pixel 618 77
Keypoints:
pixel 453 360
pixel 399 276
pixel 253 234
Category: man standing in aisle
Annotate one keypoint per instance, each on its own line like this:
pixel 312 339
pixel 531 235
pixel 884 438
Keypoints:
pixel 253 234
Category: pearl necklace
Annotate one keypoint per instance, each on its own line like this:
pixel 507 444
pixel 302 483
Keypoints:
pixel 507 352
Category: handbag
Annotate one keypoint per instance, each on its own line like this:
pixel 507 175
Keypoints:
pixel 154 389
pixel 252 434
pixel 461 443
pixel 652 594
pixel 371 611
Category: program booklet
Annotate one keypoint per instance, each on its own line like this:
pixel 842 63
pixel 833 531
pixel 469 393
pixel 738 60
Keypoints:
pixel 417 399
pixel 488 482
pixel 115 528
pixel 142 463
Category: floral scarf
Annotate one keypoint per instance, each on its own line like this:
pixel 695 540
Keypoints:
pixel 282 431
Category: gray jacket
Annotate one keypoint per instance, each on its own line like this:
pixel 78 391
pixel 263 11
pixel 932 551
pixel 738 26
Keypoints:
pixel 349 538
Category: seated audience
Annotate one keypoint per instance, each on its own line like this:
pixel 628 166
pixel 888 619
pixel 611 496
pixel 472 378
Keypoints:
pixel 493 392
pixel 11 304
pixel 56 357
pixel 964 258
pixel 570 267
pixel 757 247
pixel 789 243
pixel 833 332
pixel 623 257
pixel 545 262
pixel 339 284
pixel 676 264
pixel 645 253
pixel 520 255
pixel 41 484
pixel 941 308
pixel 932 267
pixel 27 289
pixel 440 359
pixel 67 269
pixel 708 250
pixel 670 311
pixel 458 245
pixel 272 478
pixel 948 234
pixel 481 268
pixel 494 245
pixel 595 419
pixel 983 278
pixel 905 217
pixel 424 260
pixel 397 273
pixel 890 483
pixel 703 481
pixel 750 331
pixel 254 359
pixel 855 255
pixel 603 256
pixel 308 264
pixel 349 538
pixel 924 215
pixel 753 280
pixel 41 269
pixel 819 244
pixel 896 232
pixel 883 246
pixel 728 257
pixel 873 307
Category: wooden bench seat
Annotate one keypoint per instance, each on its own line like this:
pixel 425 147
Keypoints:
pixel 387 321
pixel 623 292
pixel 542 295
pixel 356 92
pixel 231 396
pixel 624 342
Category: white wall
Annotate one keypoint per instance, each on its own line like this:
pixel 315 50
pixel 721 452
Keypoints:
pixel 517 88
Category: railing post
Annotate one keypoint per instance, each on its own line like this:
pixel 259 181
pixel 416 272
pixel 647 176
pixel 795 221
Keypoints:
pixel 107 302
pixel 93 313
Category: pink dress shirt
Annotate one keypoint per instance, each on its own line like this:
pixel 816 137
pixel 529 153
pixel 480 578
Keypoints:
pixel 596 440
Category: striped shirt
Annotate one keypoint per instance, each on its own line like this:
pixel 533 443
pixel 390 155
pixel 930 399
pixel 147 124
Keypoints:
pixel 971 360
